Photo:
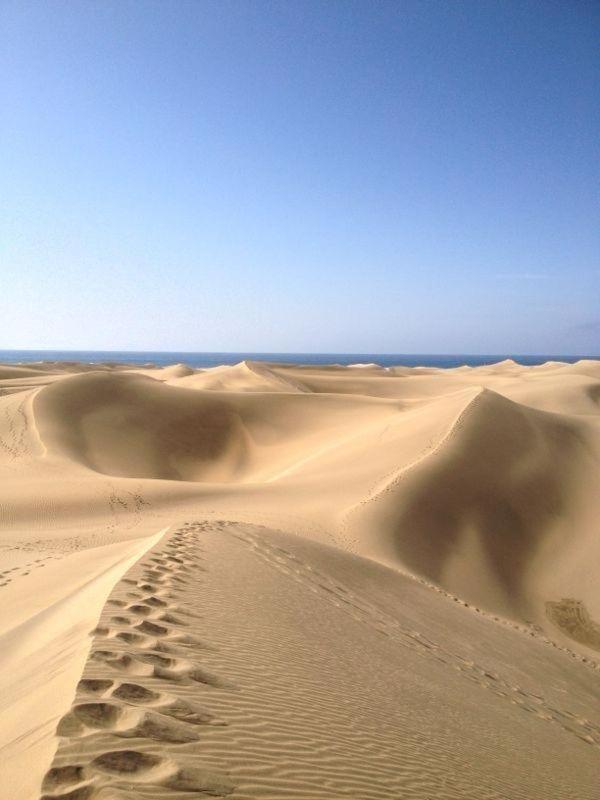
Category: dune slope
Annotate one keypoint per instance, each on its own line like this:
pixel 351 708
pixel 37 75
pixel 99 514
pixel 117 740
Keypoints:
pixel 476 513
pixel 295 698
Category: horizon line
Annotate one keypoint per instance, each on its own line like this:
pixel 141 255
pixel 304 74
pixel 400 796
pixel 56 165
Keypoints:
pixel 293 352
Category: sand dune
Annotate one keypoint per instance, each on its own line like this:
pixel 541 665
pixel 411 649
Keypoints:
pixel 272 581
pixel 475 514
pixel 247 376
pixel 8 372
pixel 132 426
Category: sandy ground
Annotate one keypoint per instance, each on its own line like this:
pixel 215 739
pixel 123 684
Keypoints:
pixel 271 581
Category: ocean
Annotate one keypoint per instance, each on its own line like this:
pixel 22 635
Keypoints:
pixel 215 359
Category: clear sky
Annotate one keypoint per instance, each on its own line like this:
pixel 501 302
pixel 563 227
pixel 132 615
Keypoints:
pixel 301 176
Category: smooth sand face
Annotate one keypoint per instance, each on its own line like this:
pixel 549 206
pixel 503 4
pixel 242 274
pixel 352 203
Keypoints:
pixel 276 581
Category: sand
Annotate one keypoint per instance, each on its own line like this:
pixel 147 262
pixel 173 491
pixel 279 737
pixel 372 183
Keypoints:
pixel 277 581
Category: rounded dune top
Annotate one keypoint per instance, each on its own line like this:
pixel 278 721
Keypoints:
pixel 504 365
pixel 246 376
pixel 177 371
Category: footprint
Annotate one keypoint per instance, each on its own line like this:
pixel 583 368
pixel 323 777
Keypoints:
pixel 134 693
pixel 120 620
pixel 59 777
pixel 141 610
pixel 136 638
pixel 88 718
pixel 147 587
pixel 122 662
pixel 164 662
pixel 153 574
pixel 100 715
pixel 174 620
pixel 94 685
pixel 133 764
pixel 156 726
pixel 150 769
pixel 152 628
pixel 155 601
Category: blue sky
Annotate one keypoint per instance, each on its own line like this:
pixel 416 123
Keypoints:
pixel 300 176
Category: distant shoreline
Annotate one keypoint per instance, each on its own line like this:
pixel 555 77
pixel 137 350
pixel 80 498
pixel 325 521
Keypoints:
pixel 212 359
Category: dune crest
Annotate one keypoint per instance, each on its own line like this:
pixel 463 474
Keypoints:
pixel 247 376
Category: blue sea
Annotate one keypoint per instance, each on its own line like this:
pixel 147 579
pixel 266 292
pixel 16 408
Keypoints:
pixel 215 359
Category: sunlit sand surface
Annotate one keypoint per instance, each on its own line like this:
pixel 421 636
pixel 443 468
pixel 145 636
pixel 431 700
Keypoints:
pixel 270 581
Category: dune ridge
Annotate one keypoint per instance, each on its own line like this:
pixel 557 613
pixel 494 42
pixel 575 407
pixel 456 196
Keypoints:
pixel 289 578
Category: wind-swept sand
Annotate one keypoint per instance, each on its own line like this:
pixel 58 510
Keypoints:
pixel 271 581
